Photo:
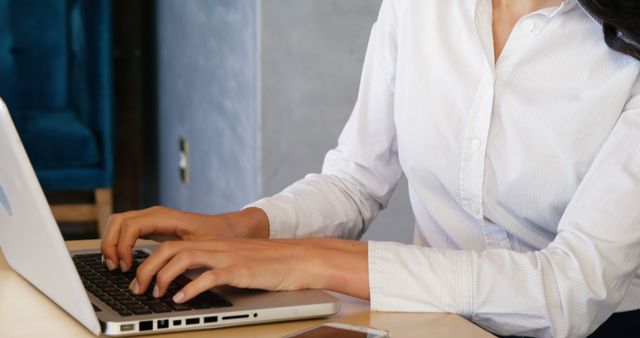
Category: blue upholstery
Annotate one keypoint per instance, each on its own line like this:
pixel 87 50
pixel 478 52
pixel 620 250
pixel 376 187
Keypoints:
pixel 55 76
pixel 37 49
pixel 47 134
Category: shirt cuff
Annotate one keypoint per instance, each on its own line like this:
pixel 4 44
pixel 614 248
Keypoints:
pixel 275 214
pixel 410 278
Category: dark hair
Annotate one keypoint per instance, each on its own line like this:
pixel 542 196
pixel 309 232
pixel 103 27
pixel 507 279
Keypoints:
pixel 620 21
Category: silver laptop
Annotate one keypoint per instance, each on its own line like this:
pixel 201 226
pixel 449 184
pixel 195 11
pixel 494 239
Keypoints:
pixel 99 299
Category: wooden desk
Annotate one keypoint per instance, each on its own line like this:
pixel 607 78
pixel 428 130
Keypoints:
pixel 25 312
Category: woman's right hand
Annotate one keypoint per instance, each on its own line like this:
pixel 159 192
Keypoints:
pixel 124 229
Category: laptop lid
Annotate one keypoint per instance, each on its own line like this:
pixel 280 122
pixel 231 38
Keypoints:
pixel 29 236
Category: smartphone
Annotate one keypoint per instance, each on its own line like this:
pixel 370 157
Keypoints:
pixel 340 330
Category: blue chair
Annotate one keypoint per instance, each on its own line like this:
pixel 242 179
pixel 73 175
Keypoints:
pixel 55 76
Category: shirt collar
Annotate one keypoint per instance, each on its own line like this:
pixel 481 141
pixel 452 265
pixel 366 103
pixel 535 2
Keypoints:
pixel 564 7
pixel 552 11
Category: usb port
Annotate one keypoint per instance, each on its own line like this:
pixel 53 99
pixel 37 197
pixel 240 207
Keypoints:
pixel 211 319
pixel 146 325
pixel 192 321
pixel 163 323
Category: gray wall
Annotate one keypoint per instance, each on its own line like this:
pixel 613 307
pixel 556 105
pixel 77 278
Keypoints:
pixel 208 71
pixel 311 54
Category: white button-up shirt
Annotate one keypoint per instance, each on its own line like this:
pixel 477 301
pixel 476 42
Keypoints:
pixel 524 173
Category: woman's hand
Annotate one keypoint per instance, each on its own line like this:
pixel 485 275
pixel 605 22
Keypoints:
pixel 124 229
pixel 332 264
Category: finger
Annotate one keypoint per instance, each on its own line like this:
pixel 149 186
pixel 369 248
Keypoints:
pixel 204 282
pixel 181 262
pixel 130 230
pixel 153 264
pixel 154 220
pixel 110 237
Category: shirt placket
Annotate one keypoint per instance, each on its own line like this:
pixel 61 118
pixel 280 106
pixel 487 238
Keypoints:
pixel 474 147
pixel 473 163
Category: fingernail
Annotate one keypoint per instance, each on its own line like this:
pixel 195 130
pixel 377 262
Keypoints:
pixel 178 297
pixel 156 291
pixel 134 287
pixel 102 259
pixel 110 264
pixel 123 266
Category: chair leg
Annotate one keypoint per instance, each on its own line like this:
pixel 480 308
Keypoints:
pixel 104 208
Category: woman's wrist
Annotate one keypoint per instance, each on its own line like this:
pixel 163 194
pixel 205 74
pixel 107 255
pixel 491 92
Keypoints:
pixel 251 222
pixel 336 265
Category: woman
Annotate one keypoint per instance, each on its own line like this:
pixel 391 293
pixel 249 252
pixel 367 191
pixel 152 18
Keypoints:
pixel 518 129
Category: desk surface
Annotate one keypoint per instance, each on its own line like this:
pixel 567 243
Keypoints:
pixel 25 312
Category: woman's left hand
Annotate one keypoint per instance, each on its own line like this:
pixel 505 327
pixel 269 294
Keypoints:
pixel 333 264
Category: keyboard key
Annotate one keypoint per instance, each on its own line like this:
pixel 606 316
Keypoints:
pixel 120 308
pixel 178 307
pixel 122 285
pixel 111 289
pixel 159 308
pixel 136 306
pixel 88 257
pixel 138 254
pixel 143 298
pixel 103 271
pixel 128 302
pixel 101 295
pixel 83 269
pixel 125 312
pixel 102 284
pixel 141 311
pixel 123 297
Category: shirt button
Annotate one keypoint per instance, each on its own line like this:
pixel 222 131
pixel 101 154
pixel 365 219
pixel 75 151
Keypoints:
pixel 529 25
pixel 475 144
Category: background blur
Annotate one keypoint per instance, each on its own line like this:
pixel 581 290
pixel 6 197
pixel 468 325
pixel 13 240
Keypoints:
pixel 217 103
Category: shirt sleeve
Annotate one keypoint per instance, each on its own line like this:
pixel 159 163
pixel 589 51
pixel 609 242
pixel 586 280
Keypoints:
pixel 567 289
pixel 360 174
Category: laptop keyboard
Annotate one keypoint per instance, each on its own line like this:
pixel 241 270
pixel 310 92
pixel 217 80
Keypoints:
pixel 112 288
